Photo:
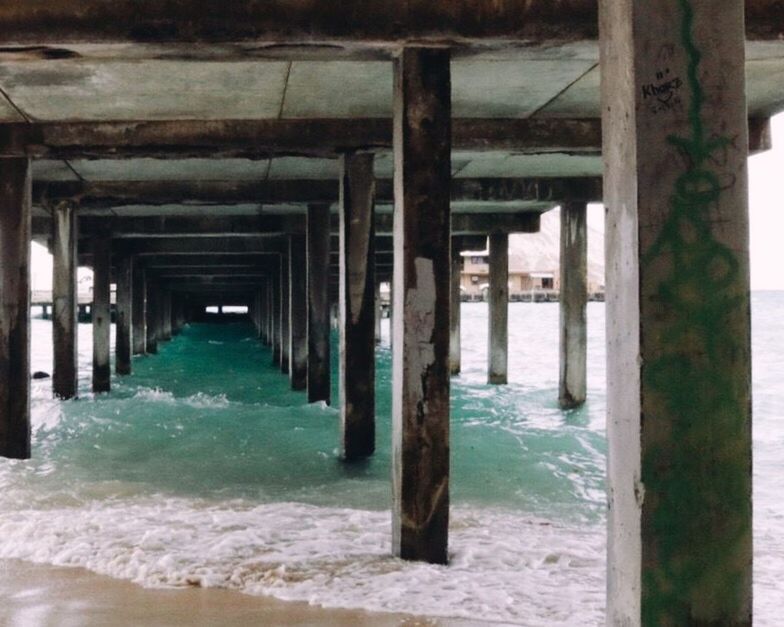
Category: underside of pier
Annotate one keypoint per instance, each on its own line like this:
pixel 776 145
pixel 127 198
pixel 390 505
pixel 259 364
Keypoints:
pixel 289 155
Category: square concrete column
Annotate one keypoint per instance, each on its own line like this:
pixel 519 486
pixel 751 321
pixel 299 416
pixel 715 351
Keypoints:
pixel 572 303
pixel 152 321
pixel 420 365
pixel 139 298
pixel 101 312
pixel 319 387
pixel 285 311
pixel 275 297
pixel 268 311
pixel 378 311
pixel 123 326
pixel 64 300
pixel 298 313
pixel 455 349
pixel 498 315
pixel 679 384
pixel 166 315
pixel 357 303
pixel 15 233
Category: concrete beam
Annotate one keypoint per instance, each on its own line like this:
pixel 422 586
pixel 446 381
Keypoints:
pixel 420 365
pixel 357 308
pixel 64 297
pixel 678 309
pixel 231 228
pixel 260 139
pixel 15 211
pixel 110 194
pixel 363 23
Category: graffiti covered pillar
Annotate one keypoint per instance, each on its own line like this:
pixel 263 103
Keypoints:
pixel 679 396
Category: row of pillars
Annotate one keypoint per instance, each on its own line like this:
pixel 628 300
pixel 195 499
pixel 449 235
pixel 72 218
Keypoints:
pixel 679 493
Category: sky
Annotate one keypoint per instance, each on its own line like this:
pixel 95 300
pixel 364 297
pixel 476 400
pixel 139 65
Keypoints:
pixel 765 214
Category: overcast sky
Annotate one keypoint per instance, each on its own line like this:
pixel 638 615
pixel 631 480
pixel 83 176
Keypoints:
pixel 767 222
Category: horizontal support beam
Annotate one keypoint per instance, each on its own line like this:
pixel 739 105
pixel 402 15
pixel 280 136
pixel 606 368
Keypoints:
pixel 373 22
pixel 264 138
pixel 107 195
pixel 233 227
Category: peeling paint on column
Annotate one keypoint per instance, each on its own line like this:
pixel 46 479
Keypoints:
pixel 420 310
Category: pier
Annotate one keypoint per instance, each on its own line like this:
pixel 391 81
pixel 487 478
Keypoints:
pixel 289 157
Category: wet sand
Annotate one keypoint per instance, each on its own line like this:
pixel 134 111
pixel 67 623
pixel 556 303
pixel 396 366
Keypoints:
pixel 33 595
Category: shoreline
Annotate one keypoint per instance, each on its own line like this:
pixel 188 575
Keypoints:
pixel 40 594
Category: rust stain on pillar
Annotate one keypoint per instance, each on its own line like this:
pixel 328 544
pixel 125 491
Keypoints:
pixel 15 233
pixel 420 412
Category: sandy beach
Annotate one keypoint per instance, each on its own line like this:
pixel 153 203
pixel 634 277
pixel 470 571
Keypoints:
pixel 33 595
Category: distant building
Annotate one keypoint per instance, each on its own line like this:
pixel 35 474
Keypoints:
pixel 534 270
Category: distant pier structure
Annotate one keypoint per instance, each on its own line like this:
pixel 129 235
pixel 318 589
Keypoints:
pixel 289 155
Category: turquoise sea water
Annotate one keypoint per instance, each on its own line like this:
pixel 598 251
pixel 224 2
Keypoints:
pixel 203 468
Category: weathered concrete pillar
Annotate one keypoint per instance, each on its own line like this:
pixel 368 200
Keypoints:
pixel 357 307
pixel 64 296
pixel 101 312
pixel 573 300
pixel 318 304
pixel 15 233
pixel 298 293
pixel 498 316
pixel 377 296
pixel 285 312
pixel 455 349
pixel 123 327
pixel 268 311
pixel 420 398
pixel 276 314
pixel 139 296
pixel 166 315
pixel 679 385
pixel 152 316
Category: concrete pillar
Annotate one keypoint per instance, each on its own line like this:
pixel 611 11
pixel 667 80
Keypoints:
pixel 285 311
pixel 298 290
pixel 64 300
pixel 268 311
pixel 573 300
pixel 166 315
pixel 377 296
pixel 454 311
pixel 101 312
pixel 152 317
pixel 139 297
pixel 679 384
pixel 357 302
pixel 498 316
pixel 420 391
pixel 123 326
pixel 319 387
pixel 15 233
pixel 276 313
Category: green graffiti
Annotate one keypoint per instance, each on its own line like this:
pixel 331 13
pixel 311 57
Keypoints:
pixel 699 505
